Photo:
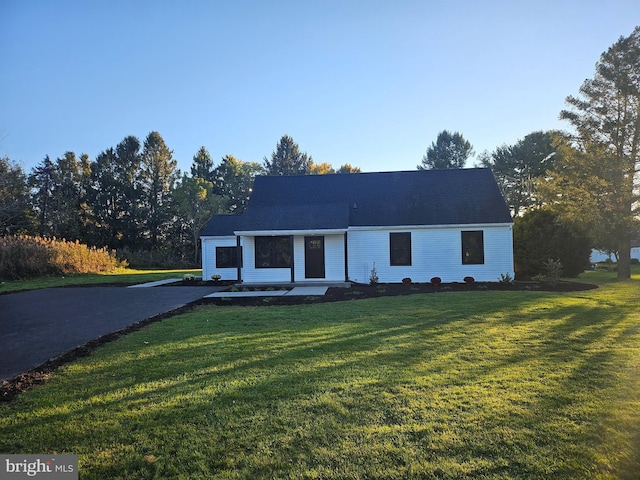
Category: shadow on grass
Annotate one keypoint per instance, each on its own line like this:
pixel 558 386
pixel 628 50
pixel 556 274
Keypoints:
pixel 516 384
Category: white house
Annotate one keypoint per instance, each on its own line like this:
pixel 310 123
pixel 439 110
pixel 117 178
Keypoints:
pixel 600 256
pixel 334 228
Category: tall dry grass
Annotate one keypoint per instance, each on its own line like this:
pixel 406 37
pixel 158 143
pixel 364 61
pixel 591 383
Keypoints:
pixel 27 257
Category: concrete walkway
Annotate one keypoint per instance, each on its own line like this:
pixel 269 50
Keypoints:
pixel 296 291
pixel 157 283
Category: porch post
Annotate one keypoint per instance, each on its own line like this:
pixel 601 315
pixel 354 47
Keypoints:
pixel 293 272
pixel 239 258
pixel 346 259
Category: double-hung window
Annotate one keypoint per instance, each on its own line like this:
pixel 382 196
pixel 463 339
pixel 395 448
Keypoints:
pixel 473 247
pixel 400 248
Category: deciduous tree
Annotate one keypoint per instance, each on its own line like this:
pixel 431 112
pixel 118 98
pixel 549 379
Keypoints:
pixel 195 203
pixel 233 180
pixel 450 150
pixel 517 167
pixel 596 180
pixel 347 168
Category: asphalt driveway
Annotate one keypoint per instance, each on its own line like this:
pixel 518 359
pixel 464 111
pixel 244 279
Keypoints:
pixel 38 325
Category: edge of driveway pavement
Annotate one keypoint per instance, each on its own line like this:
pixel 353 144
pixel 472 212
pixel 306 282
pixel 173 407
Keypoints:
pixel 11 388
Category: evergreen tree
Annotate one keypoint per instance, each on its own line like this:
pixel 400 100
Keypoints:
pixel 596 181
pixel 115 195
pixel 42 182
pixel 158 176
pixel 14 199
pixel 287 159
pixel 450 150
pixel 202 166
pixel 70 197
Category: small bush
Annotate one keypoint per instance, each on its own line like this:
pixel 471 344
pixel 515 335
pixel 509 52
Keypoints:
pixel 373 277
pixel 551 272
pixel 28 257
pixel 506 279
pixel 406 281
pixel 435 281
pixel 469 280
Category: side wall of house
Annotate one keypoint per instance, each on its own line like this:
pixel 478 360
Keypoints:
pixel 435 252
pixel 209 268
pixel 599 256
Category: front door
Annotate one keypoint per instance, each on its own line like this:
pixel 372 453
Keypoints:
pixel 314 257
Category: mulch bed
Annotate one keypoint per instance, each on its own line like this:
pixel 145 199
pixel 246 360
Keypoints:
pixel 359 291
pixel 11 388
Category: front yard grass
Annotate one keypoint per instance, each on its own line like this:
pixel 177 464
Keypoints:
pixel 451 385
pixel 121 275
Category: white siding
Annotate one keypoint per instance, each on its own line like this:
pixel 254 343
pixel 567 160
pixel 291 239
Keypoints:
pixel 209 245
pixel 333 259
pixel 250 274
pixel 435 252
pixel 599 256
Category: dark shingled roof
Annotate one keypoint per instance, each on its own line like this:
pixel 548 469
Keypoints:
pixel 222 226
pixel 419 197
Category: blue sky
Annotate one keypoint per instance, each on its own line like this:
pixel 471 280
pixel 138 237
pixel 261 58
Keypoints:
pixel 370 83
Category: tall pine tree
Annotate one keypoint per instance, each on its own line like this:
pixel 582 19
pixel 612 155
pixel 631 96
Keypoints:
pixel 158 177
pixel 596 181
pixel 287 159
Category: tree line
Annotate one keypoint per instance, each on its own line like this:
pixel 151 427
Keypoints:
pixel 133 198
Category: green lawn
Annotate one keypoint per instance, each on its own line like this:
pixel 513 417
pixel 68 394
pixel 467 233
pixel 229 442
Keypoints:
pixel 122 275
pixel 450 385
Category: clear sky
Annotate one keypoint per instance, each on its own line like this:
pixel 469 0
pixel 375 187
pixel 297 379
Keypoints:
pixel 371 83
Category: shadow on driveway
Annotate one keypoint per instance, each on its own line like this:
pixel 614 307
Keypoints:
pixel 38 325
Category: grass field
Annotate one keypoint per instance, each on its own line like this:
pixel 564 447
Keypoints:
pixel 121 275
pixel 450 385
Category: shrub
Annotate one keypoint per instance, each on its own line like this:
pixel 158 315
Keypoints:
pixel 26 257
pixel 435 281
pixel 540 234
pixel 469 280
pixel 506 278
pixel 406 281
pixel 552 271
pixel 373 278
